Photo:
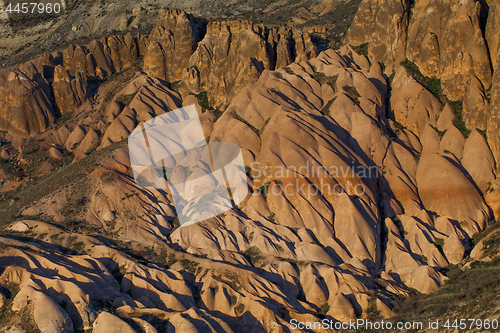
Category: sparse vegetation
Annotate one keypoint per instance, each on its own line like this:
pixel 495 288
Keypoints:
pixel 108 177
pixel 263 127
pixel 372 313
pixel 326 109
pixel 238 117
pixel 439 242
pixel 174 85
pixel 229 278
pixel 353 93
pixel 278 75
pixel 264 188
pixel 202 98
pixel 361 49
pixel 463 295
pixel 323 310
pixel 175 224
pixel 434 86
pixel 239 309
pixel 324 79
pixel 189 265
pixel 253 254
pixel 126 99
pixel 483 133
pixel 440 133
pixel 289 70
pixel 487 94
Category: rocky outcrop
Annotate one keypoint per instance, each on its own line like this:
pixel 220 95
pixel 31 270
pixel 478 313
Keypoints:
pixel 493 127
pixel 170 45
pixel 478 161
pixel 383 26
pixel 441 188
pixel 69 92
pixel 445 41
pixel 25 107
pixel 234 54
pixel 492 24
pixel 413 105
pixel 106 322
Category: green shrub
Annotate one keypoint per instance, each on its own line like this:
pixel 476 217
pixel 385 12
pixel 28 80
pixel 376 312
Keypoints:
pixel 330 80
pixel 361 49
pixel 253 254
pixel 264 189
pixel 238 117
pixel 326 109
pixel 352 92
pixel 239 309
pixel 323 310
pixel 108 177
pixel 189 265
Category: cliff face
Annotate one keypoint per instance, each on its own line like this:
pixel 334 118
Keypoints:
pixel 230 56
pixel 452 47
pixel 365 180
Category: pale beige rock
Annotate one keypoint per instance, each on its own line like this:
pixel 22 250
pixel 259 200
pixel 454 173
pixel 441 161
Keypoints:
pixel 446 117
pixel 108 216
pixel 441 185
pixel 147 327
pixel 452 143
pixel 412 104
pixel 112 110
pixel 453 249
pixel 89 142
pixel 55 153
pixel 5 154
pixel 478 161
pixel 75 137
pixel 47 314
pixel 108 323
pixel 493 200
pixel 341 309
pixel 430 140
pixel 20 227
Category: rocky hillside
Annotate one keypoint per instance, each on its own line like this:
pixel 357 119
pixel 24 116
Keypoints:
pixel 373 170
pixel 25 36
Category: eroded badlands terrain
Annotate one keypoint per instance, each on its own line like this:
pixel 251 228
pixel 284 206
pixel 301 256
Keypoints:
pixel 373 171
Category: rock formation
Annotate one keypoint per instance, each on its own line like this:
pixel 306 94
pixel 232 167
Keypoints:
pixel 364 183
